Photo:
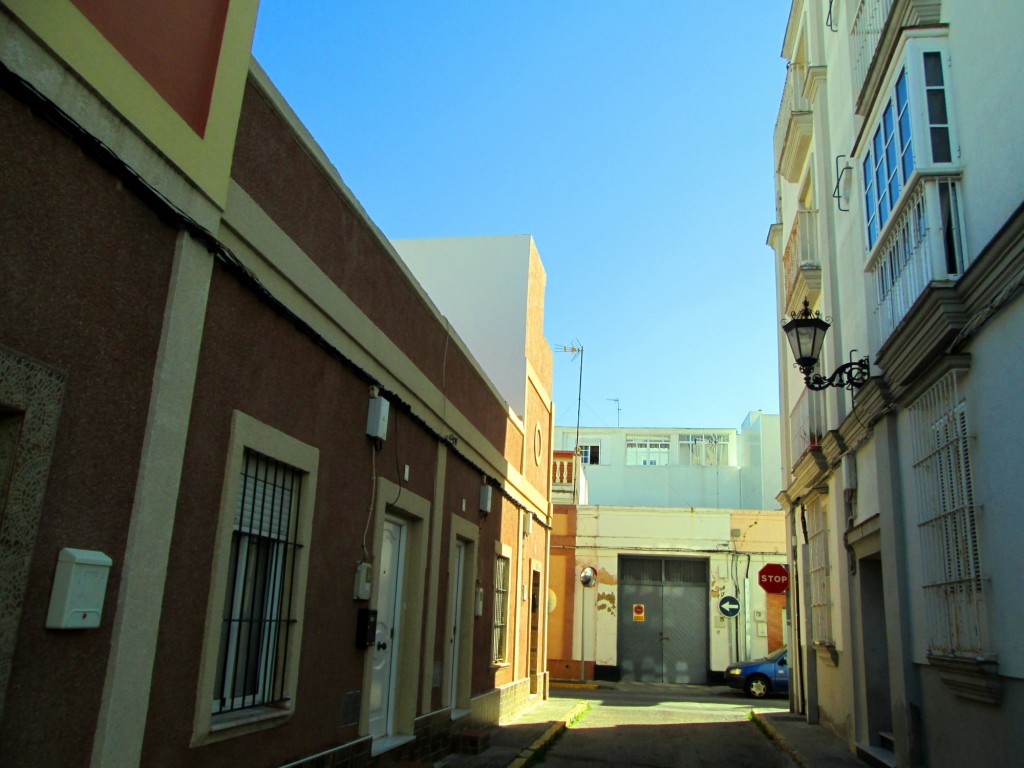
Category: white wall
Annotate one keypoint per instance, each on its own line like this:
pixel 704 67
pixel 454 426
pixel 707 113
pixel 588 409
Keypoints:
pixel 480 284
pixel 605 533
pixel 751 479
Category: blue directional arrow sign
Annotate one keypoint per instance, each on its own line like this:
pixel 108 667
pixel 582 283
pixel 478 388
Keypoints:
pixel 728 606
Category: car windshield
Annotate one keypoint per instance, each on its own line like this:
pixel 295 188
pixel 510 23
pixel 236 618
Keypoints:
pixel 775 654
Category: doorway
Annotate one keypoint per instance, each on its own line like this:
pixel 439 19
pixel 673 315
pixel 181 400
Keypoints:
pixel 458 585
pixel 385 651
pixel 663 620
pixel 535 673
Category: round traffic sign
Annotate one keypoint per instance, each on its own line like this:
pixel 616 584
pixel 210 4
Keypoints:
pixel 729 606
pixel 773 578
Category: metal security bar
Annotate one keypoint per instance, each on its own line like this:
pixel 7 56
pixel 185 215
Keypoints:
pixel 866 32
pixel 258 618
pixel 924 242
pixel 819 575
pixel 500 632
pixel 951 558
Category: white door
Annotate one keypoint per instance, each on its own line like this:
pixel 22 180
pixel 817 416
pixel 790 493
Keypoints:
pixel 456 628
pixel 389 592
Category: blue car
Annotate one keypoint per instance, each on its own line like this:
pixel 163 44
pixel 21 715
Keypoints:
pixel 760 677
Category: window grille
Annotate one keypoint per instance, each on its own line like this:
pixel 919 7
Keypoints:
pixel 668 570
pixel 704 449
pixel 951 559
pixel 258 610
pixel 821 587
pixel 499 636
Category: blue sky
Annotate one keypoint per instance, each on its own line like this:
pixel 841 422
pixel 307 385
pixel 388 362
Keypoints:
pixel 633 140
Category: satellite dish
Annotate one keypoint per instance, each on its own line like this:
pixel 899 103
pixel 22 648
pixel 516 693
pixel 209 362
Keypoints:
pixel 588 576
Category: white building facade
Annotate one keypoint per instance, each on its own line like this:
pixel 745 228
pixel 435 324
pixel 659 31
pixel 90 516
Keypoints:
pixel 899 216
pixel 672 523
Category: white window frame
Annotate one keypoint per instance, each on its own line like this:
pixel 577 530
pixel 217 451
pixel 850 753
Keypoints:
pixel 586 452
pixel 249 434
pixel 647 451
pixel 704 449
pixel 948 526
pixel 911 62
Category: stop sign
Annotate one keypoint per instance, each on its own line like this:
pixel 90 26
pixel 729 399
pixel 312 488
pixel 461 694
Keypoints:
pixel 773 578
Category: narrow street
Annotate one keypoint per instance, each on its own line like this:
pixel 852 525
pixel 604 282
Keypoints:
pixel 645 724
pixel 654 725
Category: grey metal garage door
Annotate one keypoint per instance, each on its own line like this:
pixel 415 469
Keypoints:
pixel 670 645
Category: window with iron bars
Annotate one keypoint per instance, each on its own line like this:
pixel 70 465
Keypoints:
pixel 819 576
pixel 704 450
pixel 258 605
pixel 947 522
pixel 499 637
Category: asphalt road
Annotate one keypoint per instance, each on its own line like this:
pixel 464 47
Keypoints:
pixel 662 726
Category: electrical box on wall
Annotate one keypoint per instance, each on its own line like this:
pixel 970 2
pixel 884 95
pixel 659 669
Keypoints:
pixel 377 416
pixel 366 627
pixel 485 499
pixel 527 524
pixel 79 587
pixel 364 582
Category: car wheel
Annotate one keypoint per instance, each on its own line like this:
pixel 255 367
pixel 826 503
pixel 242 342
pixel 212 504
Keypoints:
pixel 758 686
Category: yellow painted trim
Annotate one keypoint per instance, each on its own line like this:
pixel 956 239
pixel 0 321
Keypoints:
pixel 207 161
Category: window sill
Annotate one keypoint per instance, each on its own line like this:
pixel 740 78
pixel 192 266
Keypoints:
pixel 228 720
pixel 384 744
pixel 230 725
pixel 975 679
pixel 500 665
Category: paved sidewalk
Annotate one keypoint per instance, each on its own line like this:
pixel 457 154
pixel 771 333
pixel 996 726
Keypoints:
pixel 810 746
pixel 514 743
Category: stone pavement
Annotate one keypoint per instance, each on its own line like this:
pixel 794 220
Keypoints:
pixel 514 744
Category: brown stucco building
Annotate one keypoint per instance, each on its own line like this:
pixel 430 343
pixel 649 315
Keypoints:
pixel 198 319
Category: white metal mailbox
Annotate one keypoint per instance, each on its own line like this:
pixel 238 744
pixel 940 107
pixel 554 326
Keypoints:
pixel 79 587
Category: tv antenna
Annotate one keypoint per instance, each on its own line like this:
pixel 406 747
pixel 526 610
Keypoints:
pixel 576 348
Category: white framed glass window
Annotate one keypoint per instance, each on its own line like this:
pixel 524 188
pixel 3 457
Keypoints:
pixel 911 130
pixel 647 451
pixel 590 454
pixel 704 449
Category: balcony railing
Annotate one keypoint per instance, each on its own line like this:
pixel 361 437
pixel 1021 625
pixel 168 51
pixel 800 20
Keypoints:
pixel 800 261
pixel 807 424
pixel 564 467
pixel 922 242
pixel 867 30
pixel 793 103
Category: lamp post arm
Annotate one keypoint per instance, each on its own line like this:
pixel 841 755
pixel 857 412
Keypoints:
pixel 852 375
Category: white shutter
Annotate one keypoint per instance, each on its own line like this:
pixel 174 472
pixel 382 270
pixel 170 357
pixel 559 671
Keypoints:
pixel 266 497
